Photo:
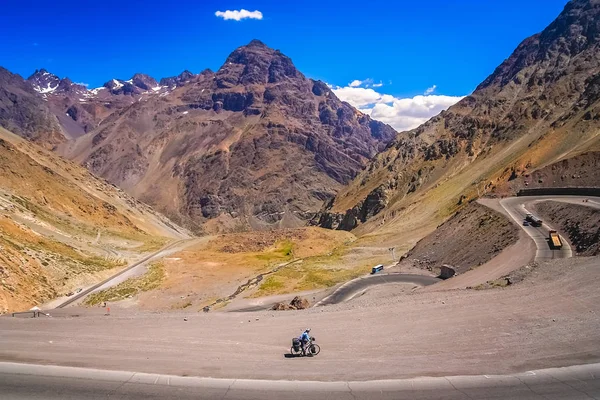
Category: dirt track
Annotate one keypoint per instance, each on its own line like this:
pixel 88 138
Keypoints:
pixel 550 319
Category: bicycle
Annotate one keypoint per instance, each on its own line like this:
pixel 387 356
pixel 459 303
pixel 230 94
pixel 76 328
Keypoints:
pixel 311 350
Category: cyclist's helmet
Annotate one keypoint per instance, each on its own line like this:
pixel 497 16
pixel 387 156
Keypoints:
pixel 307 330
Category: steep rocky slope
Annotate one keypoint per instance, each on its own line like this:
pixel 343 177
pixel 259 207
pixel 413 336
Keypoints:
pixel 255 144
pixel 539 106
pixel 61 227
pixel 471 237
pixel 49 110
pixel 578 171
pixel 24 112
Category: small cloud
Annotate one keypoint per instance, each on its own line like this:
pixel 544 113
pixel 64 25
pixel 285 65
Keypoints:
pixel 430 90
pixel 364 83
pixel 380 84
pixel 238 15
pixel 82 84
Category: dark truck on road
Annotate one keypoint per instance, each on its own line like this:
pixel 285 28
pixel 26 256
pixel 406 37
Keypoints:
pixel 533 220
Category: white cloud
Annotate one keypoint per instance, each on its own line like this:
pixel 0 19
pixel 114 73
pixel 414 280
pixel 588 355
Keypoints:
pixel 361 97
pixel 239 15
pixel 430 90
pixel 82 84
pixel 365 83
pixel 401 113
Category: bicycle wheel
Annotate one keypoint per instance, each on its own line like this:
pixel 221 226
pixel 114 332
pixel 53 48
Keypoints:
pixel 314 349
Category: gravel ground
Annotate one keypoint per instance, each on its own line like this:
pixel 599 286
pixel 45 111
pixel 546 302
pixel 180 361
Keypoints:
pixel 549 319
pixel 472 237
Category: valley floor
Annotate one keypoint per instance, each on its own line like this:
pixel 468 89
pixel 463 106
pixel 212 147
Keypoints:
pixel 549 319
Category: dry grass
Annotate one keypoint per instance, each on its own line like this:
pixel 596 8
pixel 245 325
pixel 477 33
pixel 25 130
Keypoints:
pixel 215 268
pixel 298 278
pixel 131 287
pixel 51 211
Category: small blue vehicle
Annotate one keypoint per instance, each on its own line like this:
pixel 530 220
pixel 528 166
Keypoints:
pixel 376 269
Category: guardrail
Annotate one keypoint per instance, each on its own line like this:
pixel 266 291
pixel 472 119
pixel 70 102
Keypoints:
pixel 562 191
pixel 33 313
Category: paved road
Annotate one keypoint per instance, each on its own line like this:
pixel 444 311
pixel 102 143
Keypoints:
pixel 350 289
pixel 516 208
pixel 23 381
pixel 107 282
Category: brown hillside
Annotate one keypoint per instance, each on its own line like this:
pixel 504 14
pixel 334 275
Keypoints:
pixel 471 237
pixel 61 228
pixel 540 106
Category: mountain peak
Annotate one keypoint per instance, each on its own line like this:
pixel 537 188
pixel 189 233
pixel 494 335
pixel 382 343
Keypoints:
pixel 576 29
pixel 180 79
pixel 43 81
pixel 256 43
pixel 143 81
pixel 39 72
pixel 255 63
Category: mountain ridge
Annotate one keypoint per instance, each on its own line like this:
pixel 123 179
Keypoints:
pixel 255 144
pixel 537 107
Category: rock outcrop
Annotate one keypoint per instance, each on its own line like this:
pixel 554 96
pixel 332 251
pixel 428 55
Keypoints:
pixel 297 303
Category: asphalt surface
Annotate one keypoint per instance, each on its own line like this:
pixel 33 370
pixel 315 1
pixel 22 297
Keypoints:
pixel 108 282
pixel 24 381
pixel 516 207
pixel 351 289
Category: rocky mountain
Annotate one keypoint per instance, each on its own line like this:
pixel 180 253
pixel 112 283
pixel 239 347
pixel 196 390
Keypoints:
pixel 541 105
pixel 255 144
pixel 44 82
pixel 180 79
pixel 137 85
pixel 24 112
pixel 50 110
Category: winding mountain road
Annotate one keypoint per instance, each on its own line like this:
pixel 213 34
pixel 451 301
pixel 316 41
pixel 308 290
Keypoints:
pixel 353 288
pixel 516 207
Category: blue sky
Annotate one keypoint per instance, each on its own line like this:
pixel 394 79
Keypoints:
pixel 408 46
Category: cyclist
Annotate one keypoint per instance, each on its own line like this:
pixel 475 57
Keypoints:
pixel 305 339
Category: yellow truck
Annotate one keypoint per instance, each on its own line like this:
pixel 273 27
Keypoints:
pixel 554 239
